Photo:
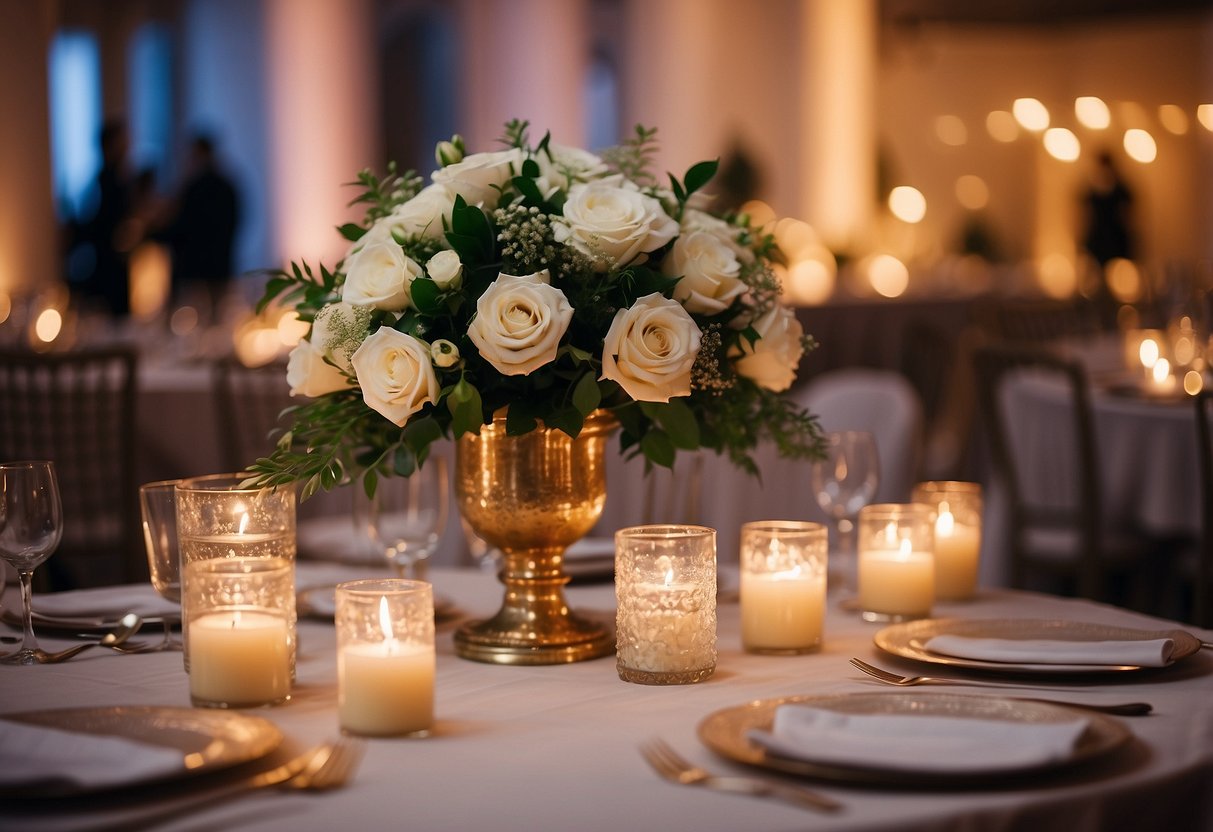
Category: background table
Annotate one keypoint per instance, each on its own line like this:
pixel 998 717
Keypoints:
pixel 525 748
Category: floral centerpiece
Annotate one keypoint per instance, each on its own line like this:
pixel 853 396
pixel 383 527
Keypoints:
pixel 548 282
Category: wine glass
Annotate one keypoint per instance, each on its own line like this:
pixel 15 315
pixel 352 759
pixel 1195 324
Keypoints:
pixel 31 525
pixel 158 504
pixel 406 517
pixel 843 483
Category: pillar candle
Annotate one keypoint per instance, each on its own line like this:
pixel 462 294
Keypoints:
pixel 240 658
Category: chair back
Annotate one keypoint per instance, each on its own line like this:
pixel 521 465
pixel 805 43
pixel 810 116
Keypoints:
pixel 881 402
pixel 1202 591
pixel 1038 320
pixel 250 401
pixel 78 410
pixel 993 365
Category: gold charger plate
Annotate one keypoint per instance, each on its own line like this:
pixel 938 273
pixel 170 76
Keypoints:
pixel 209 740
pixel 909 639
pixel 726 733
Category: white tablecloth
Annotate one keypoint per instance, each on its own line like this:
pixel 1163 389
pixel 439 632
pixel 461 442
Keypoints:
pixel 556 748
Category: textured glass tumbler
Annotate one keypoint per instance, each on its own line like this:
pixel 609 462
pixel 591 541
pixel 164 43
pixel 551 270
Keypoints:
pixel 217 519
pixel 956 513
pixel 241 631
pixel 896 562
pixel 783 586
pixel 385 657
pixel 665 589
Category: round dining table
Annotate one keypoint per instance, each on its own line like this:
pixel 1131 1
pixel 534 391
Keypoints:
pixel 558 747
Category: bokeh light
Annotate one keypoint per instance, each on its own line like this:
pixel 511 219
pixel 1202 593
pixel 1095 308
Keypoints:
pixel 1124 280
pixel 1173 119
pixel 1031 114
pixel 1204 114
pixel 888 275
pixel 1057 275
pixel 1092 112
pixel 1140 146
pixel 951 130
pixel 1002 126
pixel 907 204
pixel 48 325
pixel 972 192
pixel 1061 144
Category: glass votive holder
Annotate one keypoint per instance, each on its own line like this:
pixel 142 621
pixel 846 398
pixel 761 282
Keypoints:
pixel 665 589
pixel 783 586
pixel 385 657
pixel 240 631
pixel 896 562
pixel 216 518
pixel 956 515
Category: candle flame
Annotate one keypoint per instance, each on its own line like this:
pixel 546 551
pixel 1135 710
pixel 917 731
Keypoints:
pixel 1161 370
pixel 1148 352
pixel 243 523
pixel 385 620
pixel 890 532
pixel 235 619
pixel 946 523
pixel 669 576
pixel 907 548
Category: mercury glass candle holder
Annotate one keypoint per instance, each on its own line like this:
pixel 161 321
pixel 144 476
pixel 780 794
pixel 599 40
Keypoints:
pixel 896 562
pixel 240 631
pixel 783 586
pixel 665 588
pixel 217 519
pixel 956 515
pixel 385 657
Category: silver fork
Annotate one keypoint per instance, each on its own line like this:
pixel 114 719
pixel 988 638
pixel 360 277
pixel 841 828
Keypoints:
pixel 1124 709
pixel 670 765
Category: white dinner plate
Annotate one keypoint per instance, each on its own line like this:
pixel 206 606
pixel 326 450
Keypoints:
pixel 208 740
pixel 909 639
pixel 726 732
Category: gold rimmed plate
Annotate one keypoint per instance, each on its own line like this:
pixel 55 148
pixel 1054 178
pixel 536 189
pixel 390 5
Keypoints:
pixel 320 603
pixel 206 741
pixel 727 733
pixel 908 640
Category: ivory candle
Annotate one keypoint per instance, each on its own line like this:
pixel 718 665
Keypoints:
pixel 783 611
pixel 956 553
pixel 239 658
pixel 897 583
pixel 386 689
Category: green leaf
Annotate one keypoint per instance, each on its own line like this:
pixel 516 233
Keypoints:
pixel 658 449
pixel 531 195
pixel 530 168
pixel 467 413
pixel 586 395
pixel 678 420
pixel 425 294
pixel 566 419
pixel 419 433
pixel 699 175
pixel 404 462
pixel 370 482
pixel 676 186
pixel 578 355
pixel 352 231
pixel 752 335
pixel 520 419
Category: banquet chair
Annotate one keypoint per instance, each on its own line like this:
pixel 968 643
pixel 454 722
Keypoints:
pixel 250 401
pixel 78 410
pixel 1067 542
pixel 1202 577
pixel 1037 320
pixel 881 402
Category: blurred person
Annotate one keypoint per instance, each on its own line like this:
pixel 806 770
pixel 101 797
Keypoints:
pixel 201 232
pixel 108 280
pixel 1108 205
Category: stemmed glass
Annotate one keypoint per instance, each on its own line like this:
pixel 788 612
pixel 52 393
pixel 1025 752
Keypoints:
pixel 406 517
pixel 158 503
pixel 843 483
pixel 31 525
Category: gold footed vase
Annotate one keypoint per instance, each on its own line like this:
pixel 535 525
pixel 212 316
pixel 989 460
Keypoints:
pixel 532 496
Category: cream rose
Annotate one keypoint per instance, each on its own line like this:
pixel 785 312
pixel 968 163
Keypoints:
pixel 693 220
pixel 562 167
pixel 309 374
pixel 423 214
pixel 614 225
pixel 650 349
pixel 476 178
pixel 709 272
pixel 445 269
pixel 339 329
pixel 519 323
pixel 395 374
pixel 774 358
pixel 379 275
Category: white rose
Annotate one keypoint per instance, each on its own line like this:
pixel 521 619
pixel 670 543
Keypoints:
pixel 423 214
pixel 613 225
pixel 338 329
pixel 709 272
pixel 476 178
pixel 774 358
pixel 445 269
pixel 693 220
pixel 379 275
pixel 519 323
pixel 309 374
pixel 562 167
pixel 650 349
pixel 444 353
pixel 395 374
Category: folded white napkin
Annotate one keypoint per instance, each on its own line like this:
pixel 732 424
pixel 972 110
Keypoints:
pixel 1145 653
pixel 31 755
pixel 912 742
pixel 106 601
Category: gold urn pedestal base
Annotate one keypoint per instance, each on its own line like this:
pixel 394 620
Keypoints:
pixel 534 627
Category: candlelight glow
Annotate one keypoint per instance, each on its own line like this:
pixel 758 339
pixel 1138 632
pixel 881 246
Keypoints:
pixel 907 204
pixel 1057 276
pixel 1002 126
pixel 1031 114
pixel 1140 146
pixel 809 282
pixel 888 275
pixel 291 330
pixel 946 523
pixel 1162 369
pixel 1194 382
pixel 759 212
pixel 1061 144
pixel 1124 280
pixel 972 192
pixel 906 548
pixel 385 620
pixel 951 130
pixel 6 306
pixel 1204 114
pixel 1173 118
pixel 1148 352
pixel 1092 112
pixel 243 523
pixel 48 325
